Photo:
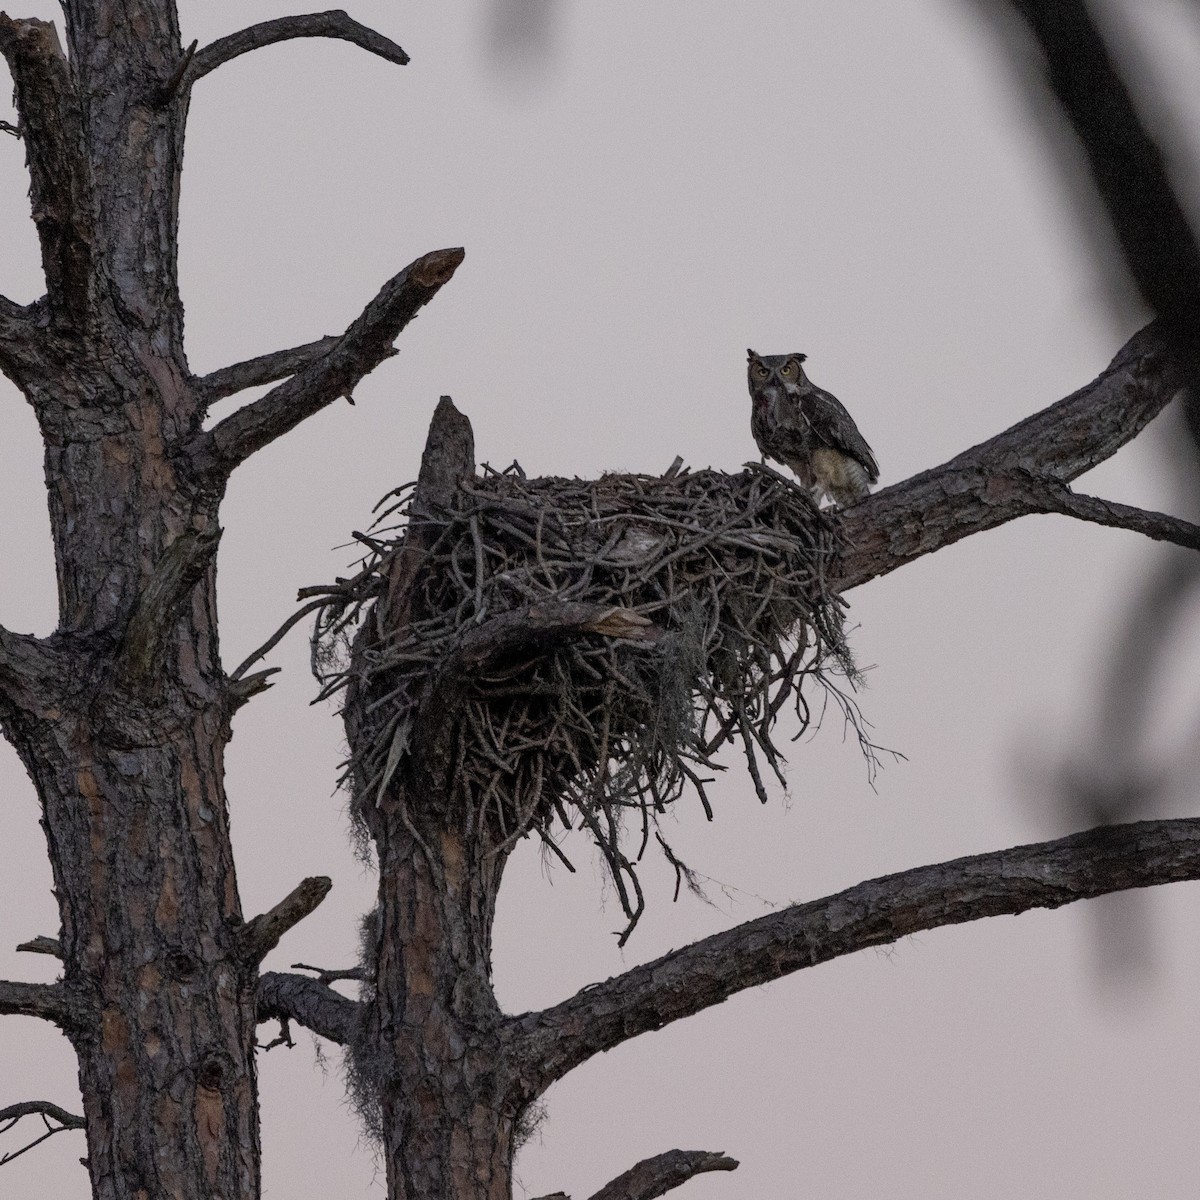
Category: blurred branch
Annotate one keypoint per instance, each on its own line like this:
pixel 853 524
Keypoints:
pixel 879 912
pixel 1160 253
pixel 1126 164
pixel 332 24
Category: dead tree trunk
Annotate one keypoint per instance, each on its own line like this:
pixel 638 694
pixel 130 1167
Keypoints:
pixel 122 716
pixel 447 1100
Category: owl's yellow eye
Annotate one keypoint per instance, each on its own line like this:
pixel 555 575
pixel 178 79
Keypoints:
pixel 760 372
pixel 788 370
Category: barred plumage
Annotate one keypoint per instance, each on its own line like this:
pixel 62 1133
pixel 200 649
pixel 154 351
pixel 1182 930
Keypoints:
pixel 808 429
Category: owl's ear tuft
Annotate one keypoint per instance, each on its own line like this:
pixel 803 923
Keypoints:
pixel 751 354
pixel 800 357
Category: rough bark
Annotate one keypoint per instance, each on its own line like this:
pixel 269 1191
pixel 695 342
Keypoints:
pixel 430 1049
pixel 122 716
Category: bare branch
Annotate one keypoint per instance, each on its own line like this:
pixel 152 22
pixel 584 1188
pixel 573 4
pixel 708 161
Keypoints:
pixel 50 125
pixel 14 1112
pixel 355 354
pixel 876 913
pixel 181 567
pixel 254 372
pixel 261 935
pixel 656 1176
pixel 243 690
pixel 333 24
pixel 308 1002
pixel 332 975
pixel 45 1000
pixel 26 1108
pixel 42 945
pixel 1014 473
pixel 1058 498
pixel 235 677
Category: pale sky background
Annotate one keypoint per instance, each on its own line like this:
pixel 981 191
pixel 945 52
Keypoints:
pixel 681 179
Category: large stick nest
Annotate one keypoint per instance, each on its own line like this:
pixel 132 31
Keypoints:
pixel 710 615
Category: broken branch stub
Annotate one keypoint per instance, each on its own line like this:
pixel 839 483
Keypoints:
pixel 552 653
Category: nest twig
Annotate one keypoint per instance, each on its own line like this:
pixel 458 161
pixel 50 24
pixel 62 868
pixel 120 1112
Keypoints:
pixel 591 730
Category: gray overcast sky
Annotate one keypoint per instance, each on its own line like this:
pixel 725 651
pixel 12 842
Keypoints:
pixel 858 180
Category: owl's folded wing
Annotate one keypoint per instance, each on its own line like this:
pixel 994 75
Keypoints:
pixel 834 426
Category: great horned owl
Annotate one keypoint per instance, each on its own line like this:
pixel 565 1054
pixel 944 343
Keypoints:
pixel 807 429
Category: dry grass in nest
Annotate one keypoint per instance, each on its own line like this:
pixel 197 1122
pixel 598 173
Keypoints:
pixel 590 730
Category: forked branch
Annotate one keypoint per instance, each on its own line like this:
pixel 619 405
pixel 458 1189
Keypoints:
pixel 255 372
pixel 876 913
pixel 333 24
pixel 1023 470
pixel 333 374
pixel 308 1002
pixel 42 1108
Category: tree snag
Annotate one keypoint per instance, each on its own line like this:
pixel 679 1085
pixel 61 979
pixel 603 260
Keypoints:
pixel 121 716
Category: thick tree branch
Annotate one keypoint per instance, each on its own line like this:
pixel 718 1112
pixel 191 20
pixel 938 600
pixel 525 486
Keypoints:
pixel 355 354
pixel 45 1000
pixel 308 1002
pixel 876 913
pixel 261 935
pixel 51 127
pixel 656 1176
pixel 254 372
pixel 1018 471
pixel 333 24
pixel 30 671
pixel 22 339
